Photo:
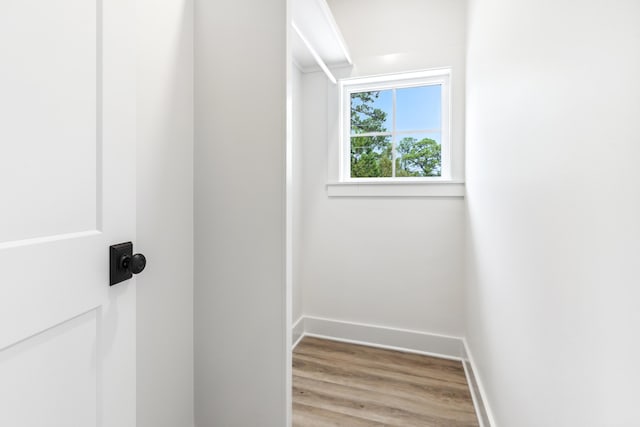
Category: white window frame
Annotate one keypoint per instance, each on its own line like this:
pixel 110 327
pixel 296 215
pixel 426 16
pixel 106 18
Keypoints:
pixel 395 81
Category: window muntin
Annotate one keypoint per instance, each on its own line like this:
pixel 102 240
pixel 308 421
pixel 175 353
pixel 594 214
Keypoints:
pixel 396 128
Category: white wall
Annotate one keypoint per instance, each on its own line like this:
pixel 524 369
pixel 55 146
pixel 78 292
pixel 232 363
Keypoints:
pixel 554 210
pixel 240 134
pixel 165 213
pixel 385 261
pixel 297 177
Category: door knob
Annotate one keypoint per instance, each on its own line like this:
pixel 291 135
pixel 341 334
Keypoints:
pixel 135 263
pixel 123 264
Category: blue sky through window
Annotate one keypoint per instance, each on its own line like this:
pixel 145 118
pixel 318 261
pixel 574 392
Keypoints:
pixel 417 108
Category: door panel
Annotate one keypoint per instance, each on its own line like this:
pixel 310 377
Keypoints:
pixel 67 192
pixel 49 105
pixel 47 283
pixel 64 353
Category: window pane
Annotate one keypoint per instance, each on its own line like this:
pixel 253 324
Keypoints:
pixel 419 108
pixel 371 111
pixel 419 155
pixel 371 156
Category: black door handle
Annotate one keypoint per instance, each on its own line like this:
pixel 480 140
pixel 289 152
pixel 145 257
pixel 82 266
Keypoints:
pixel 135 263
pixel 123 264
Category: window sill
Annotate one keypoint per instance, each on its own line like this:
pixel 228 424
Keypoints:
pixel 449 189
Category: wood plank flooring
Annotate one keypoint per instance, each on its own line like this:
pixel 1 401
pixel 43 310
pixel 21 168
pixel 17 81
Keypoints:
pixel 339 384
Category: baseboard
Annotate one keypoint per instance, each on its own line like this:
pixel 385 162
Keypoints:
pixel 444 346
pixel 297 332
pixel 478 393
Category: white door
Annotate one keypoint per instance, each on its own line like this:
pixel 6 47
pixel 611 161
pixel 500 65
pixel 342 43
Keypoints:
pixel 67 192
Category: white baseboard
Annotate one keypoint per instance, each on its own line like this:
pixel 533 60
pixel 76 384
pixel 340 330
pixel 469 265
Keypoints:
pixel 478 393
pixel 297 332
pixel 384 337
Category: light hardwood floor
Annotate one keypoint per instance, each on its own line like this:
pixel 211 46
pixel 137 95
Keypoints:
pixel 339 384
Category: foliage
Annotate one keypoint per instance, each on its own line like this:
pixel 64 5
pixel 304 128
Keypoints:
pixel 367 152
pixel 364 117
pixel 418 158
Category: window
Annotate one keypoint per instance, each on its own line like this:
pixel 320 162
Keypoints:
pixel 396 128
